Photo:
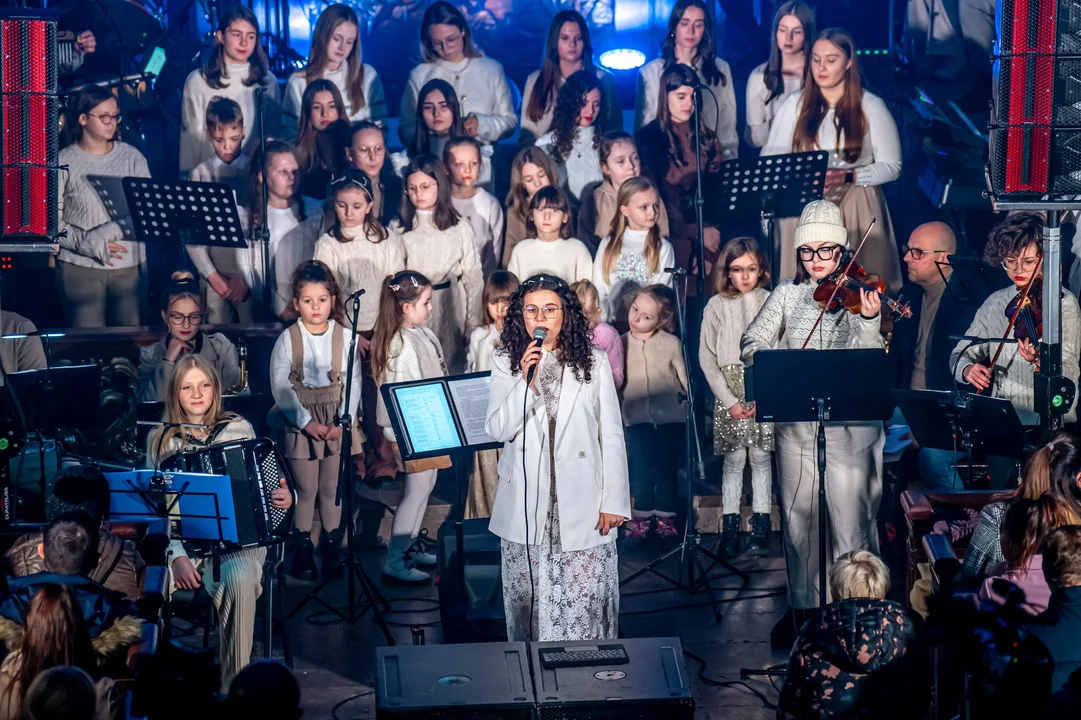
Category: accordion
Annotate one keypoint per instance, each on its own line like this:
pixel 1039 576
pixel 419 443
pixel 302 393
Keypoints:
pixel 255 468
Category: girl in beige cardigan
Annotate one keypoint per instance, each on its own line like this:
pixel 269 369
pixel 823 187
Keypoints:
pixel 652 413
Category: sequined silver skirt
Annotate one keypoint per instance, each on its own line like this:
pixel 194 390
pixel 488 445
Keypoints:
pixel 730 434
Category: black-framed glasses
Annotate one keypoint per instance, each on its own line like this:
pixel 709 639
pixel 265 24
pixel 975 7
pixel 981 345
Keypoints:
pixel 550 312
pixel 181 319
pixel 826 252
pixel 917 253
pixel 106 119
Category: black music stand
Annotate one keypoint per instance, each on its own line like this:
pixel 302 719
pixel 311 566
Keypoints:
pixel 750 192
pixel 820 386
pixel 195 213
pixel 978 425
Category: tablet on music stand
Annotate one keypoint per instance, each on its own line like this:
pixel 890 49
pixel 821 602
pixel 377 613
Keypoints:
pixel 440 416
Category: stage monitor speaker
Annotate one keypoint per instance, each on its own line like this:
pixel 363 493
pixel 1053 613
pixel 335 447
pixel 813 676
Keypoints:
pixel 484 681
pixel 653 684
pixel 29 123
pixel 1035 135
pixel 470 595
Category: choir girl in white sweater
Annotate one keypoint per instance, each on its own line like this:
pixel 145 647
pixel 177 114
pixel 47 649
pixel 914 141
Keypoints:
pixel 577 128
pixel 335 55
pixel 236 69
pixel 772 82
pixel 550 249
pixel 463 160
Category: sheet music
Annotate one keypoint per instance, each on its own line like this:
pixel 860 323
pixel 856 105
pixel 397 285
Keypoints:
pixel 425 412
pixel 470 398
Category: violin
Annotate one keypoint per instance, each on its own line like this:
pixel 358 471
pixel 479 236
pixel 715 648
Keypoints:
pixel 841 291
pixel 1025 311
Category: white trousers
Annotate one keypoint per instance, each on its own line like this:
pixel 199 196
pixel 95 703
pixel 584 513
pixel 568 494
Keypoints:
pixel 410 513
pixel 853 494
pixel 761 480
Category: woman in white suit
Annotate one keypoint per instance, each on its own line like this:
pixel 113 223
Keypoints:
pixel 563 489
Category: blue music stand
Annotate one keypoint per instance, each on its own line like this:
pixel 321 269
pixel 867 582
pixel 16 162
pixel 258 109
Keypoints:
pixel 201 504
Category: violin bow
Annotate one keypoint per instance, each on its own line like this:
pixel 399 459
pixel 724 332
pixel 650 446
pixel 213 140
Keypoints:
pixel 1013 319
pixel 837 286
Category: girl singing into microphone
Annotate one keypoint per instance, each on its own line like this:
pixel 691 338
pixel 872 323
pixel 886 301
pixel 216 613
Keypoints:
pixel 563 487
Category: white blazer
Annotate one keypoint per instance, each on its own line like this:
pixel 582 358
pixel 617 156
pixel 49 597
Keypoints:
pixel 591 458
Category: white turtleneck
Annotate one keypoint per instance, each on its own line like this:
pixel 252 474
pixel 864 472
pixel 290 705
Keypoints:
pixel 582 165
pixel 375 102
pixel 363 262
pixel 195 147
pixel 629 271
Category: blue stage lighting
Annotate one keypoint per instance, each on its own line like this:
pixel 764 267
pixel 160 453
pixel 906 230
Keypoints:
pixel 623 59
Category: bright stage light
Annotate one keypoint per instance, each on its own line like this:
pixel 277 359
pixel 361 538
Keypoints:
pixel 623 59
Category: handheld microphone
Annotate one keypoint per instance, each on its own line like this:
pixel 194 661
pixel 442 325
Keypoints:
pixel 539 336
pixel 356 295
pixel 676 270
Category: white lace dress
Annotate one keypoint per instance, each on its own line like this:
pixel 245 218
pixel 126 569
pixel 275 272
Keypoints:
pixel 573 595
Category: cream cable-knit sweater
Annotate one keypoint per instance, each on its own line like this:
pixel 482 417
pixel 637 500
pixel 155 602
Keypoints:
pixel 82 212
pixel 362 263
pixel 194 145
pixel 1013 375
pixel 723 323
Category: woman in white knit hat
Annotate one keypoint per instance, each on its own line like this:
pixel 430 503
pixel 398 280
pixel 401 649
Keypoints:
pixel 853 450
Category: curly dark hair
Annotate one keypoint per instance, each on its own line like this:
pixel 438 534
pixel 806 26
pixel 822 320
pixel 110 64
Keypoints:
pixel 575 337
pixel 1011 236
pixel 569 102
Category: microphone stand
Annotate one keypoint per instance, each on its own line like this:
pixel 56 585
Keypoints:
pixel 690 548
pixel 353 612
pixel 700 280
pixel 264 231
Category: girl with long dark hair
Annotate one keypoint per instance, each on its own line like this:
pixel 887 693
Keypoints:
pixel 101 268
pixel 834 113
pixel 576 133
pixel 667 151
pixel 322 139
pixel 478 82
pixel 772 82
pixel 531 170
pixel 236 68
pixel 690 42
pixel 559 563
pixel 439 244
pixel 568 50
pixel 335 55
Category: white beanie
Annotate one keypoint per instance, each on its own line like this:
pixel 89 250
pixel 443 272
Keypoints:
pixel 820 221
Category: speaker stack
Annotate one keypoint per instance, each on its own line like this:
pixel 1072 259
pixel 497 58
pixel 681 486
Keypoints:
pixel 29 124
pixel 511 681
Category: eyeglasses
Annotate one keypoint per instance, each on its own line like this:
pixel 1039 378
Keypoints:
pixel 551 312
pixel 371 151
pixel 918 253
pixel 423 187
pixel 181 319
pixel 1027 264
pixel 448 42
pixel 106 119
pixel 826 252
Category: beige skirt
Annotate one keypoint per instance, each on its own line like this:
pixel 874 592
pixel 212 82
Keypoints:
pixel 482 484
pixel 859 205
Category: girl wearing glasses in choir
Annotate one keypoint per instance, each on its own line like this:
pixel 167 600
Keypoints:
pixel 101 268
pixel 1016 244
pixel 478 82
pixel 182 311
pixel 853 450
pixel 563 488
pixel 439 244
pixel 367 152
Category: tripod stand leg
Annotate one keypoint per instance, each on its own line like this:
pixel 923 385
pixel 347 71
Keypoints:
pixel 367 588
pixel 287 648
pixel 713 604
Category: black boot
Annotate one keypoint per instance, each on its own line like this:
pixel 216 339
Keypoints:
pixel 302 564
pixel 331 549
pixel 730 536
pixel 758 543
